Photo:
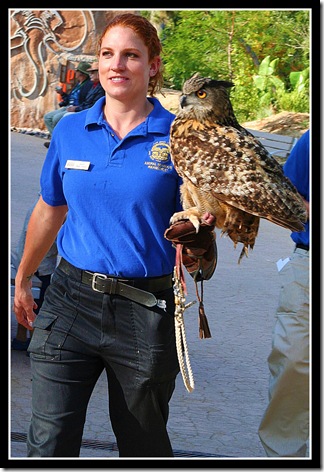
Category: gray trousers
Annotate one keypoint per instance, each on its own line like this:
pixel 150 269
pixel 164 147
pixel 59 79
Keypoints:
pixel 284 429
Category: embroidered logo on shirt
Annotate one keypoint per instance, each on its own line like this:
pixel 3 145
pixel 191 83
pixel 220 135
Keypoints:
pixel 160 155
pixel 160 151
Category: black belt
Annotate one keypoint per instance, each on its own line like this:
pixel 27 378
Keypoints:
pixel 139 290
pixel 302 246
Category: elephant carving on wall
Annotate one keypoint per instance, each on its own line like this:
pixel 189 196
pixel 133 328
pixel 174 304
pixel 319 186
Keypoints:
pixel 36 36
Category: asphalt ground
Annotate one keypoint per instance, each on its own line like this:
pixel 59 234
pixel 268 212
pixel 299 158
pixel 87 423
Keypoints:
pixel 216 424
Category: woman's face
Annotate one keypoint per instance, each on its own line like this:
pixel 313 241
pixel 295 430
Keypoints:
pixel 124 67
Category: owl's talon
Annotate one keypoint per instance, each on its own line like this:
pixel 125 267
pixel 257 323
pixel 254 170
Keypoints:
pixel 184 215
pixel 196 224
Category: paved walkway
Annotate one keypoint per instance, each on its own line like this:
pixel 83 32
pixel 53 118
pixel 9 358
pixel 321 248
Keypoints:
pixel 220 418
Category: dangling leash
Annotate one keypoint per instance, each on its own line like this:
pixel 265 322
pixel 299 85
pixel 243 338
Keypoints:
pixel 179 289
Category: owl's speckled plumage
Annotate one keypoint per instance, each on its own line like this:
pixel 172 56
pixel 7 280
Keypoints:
pixel 225 169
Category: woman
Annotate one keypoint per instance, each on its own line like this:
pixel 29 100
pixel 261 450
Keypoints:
pixel 110 304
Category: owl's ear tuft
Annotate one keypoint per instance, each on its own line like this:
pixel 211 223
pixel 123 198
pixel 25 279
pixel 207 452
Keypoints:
pixel 221 83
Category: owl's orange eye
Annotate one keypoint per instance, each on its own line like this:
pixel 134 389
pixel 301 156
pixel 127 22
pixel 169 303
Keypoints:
pixel 201 94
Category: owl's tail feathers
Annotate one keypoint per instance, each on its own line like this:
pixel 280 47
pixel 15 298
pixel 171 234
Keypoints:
pixel 245 249
pixel 244 252
pixel 241 227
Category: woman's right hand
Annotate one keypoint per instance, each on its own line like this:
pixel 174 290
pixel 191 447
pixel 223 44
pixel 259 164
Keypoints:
pixel 24 303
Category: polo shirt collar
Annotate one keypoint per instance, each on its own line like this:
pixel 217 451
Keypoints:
pixel 158 121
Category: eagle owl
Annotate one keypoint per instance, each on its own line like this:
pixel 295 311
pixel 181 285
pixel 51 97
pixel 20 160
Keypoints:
pixel 225 170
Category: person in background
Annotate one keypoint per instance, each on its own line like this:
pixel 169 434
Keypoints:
pixel 95 92
pixel 75 97
pixel 44 273
pixel 284 428
pixel 110 305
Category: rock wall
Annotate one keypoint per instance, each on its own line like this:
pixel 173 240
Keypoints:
pixel 45 46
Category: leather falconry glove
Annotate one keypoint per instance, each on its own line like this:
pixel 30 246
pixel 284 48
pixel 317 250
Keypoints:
pixel 199 250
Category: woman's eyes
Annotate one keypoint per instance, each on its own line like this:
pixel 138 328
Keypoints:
pixel 127 54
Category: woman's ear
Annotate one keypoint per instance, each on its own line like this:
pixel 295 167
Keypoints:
pixel 155 66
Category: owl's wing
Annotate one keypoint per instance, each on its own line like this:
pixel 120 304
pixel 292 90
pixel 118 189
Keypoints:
pixel 237 169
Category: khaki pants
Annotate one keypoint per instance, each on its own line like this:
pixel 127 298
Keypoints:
pixel 284 429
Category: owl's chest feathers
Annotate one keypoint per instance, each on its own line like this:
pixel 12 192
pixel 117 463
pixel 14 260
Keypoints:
pixel 183 128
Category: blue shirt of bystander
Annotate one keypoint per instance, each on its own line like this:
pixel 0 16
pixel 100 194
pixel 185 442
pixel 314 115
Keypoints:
pixel 296 168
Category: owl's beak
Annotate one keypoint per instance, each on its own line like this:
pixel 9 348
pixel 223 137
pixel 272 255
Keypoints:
pixel 183 100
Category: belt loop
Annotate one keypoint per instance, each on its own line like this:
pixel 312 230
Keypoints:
pixel 113 286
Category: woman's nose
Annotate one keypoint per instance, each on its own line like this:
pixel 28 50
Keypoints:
pixel 117 63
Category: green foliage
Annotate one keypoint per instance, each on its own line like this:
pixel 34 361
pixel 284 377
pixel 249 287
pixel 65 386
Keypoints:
pixel 268 84
pixel 245 101
pixel 300 80
pixel 265 53
pixel 182 55
pixel 272 91
pixel 265 80
pixel 297 99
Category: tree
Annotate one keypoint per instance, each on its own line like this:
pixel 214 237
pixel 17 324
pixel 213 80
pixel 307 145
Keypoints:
pixel 231 45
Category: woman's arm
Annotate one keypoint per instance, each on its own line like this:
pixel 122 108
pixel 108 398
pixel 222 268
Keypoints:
pixel 44 224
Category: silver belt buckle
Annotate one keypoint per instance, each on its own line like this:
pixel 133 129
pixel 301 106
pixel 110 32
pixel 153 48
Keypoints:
pixel 96 276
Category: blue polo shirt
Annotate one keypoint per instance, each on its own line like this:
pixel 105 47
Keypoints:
pixel 296 168
pixel 120 194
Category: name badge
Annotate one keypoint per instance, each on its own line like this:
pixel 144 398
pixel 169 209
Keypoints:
pixel 81 165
